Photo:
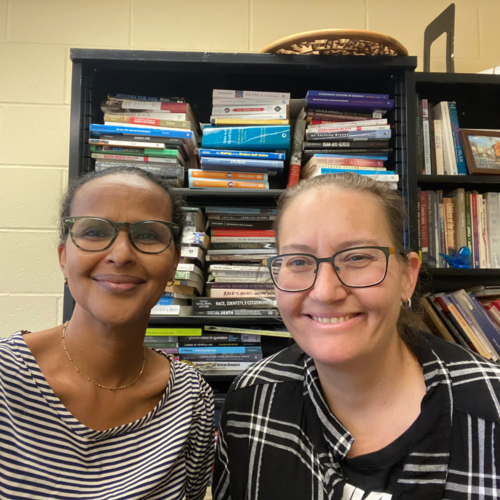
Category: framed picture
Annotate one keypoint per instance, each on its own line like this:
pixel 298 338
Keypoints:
pixel 481 150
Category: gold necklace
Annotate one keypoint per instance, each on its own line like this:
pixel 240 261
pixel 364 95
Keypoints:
pixel 93 381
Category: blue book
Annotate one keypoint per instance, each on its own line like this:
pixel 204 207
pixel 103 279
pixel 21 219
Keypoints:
pixel 350 103
pixel 268 138
pixel 221 350
pixel 96 130
pixel 256 155
pixel 455 128
pixel 348 95
pixel 333 170
pixel 362 157
pixel 273 167
pixel 165 301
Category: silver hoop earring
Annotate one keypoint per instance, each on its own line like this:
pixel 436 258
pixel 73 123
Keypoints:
pixel 407 304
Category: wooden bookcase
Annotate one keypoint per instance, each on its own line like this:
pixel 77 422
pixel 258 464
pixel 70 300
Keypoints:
pixel 478 104
pixel 193 75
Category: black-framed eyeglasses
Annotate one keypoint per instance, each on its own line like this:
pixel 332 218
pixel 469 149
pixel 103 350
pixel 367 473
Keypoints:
pixel 94 234
pixel 358 267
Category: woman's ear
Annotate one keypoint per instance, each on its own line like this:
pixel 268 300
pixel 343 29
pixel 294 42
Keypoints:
pixel 61 251
pixel 411 269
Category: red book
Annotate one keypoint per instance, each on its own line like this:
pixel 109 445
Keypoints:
pixel 322 122
pixel 293 174
pixel 221 231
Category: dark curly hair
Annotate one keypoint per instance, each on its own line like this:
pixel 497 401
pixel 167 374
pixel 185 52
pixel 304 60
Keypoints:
pixel 177 202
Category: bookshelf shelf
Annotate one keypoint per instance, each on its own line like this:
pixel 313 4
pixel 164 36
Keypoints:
pixel 448 280
pixel 448 182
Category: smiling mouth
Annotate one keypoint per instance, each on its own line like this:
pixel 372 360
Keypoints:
pixel 332 321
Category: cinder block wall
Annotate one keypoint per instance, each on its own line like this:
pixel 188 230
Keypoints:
pixel 35 79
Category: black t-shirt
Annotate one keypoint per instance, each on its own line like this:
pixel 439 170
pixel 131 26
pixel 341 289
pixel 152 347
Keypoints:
pixel 379 471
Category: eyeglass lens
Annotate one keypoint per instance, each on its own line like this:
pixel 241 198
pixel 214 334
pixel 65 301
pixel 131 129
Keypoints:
pixel 359 267
pixel 96 234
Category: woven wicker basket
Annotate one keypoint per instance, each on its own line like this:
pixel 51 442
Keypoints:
pixel 337 42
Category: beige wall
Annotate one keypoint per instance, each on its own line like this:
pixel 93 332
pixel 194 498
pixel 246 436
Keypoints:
pixel 35 79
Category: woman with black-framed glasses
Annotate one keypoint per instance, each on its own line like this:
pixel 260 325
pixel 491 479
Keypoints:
pixel 87 410
pixel 364 406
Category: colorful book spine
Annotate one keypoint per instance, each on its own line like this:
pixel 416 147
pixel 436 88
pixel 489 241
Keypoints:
pixel 224 122
pixel 355 135
pixel 426 137
pixel 249 138
pixel 225 184
pixel 256 155
pixel 235 176
pixel 469 237
pixel 475 231
pixel 423 227
pixel 358 128
pixel 96 130
pixel 240 162
pixel 138 159
pixel 248 94
pixel 359 161
pixel 281 110
pixel 221 350
pixel 455 128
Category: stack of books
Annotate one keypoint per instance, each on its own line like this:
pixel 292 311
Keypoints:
pixel 241 237
pixel 167 339
pixel 347 132
pixel 451 220
pixel 157 134
pixel 246 141
pixel 439 148
pixel 470 318
pixel 221 351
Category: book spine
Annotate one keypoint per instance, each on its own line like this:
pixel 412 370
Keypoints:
pixel 424 226
pixel 346 144
pixel 222 350
pixel 475 231
pixel 235 176
pixel 281 111
pixel 224 122
pixel 426 137
pixel 172 107
pixel 359 162
pixel 459 153
pixel 256 313
pixel 220 339
pixel 164 170
pixel 482 230
pixel 431 216
pixel 226 184
pixel 241 224
pixel 243 239
pixel 448 322
pixel 347 95
pixel 255 138
pixel 449 213
pixel 442 229
pixel 151 122
pixel 438 147
pixel 248 94
pixel 493 201
pixel 359 136
pixel 126 97
pixel 241 286
pixel 469 226
pixel 126 144
pixel 256 155
pixel 314 112
pixel 204 304
pixel 358 128
pixel 370 104
pixel 317 124
pixel 250 358
pixel 419 137
pixel 241 162
pixel 173 332
pixel 450 147
pixel 97 130
pixel 434 321
pixel 432 136
pixel 296 150
pixel 249 102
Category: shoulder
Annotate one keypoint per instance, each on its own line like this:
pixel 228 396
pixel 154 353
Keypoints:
pixel 475 381
pixel 10 346
pixel 189 381
pixel 284 366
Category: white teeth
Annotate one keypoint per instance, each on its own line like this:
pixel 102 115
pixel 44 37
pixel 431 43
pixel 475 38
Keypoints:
pixel 340 319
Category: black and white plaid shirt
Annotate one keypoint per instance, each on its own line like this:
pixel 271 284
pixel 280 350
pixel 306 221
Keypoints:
pixel 279 440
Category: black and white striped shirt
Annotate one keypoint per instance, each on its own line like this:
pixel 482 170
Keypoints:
pixel 46 453
pixel 278 438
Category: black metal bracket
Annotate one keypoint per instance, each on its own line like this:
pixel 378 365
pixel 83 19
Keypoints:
pixel 444 23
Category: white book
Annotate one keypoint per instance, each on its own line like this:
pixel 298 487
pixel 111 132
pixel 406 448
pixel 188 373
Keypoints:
pixel 442 113
pixel 233 279
pixel 275 116
pixel 493 224
pixel 248 94
pixel 281 110
pixel 486 235
pixel 438 139
pixel 159 115
pixel 326 128
pixel 243 239
pixel 173 310
pixel 426 137
pixel 191 268
pixel 227 267
pixel 481 222
pixel 127 144
pixel 344 125
pixel 249 102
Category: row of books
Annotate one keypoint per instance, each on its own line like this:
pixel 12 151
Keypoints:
pixel 470 318
pixel 212 348
pixel 439 148
pixel 456 219
pixel 342 131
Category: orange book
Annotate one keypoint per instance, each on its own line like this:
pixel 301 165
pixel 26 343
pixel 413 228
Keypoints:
pixel 226 184
pixel 235 176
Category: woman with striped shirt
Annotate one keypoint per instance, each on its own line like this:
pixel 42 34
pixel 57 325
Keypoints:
pixel 86 411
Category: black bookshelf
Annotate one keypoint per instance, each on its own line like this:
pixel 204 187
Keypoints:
pixel 478 105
